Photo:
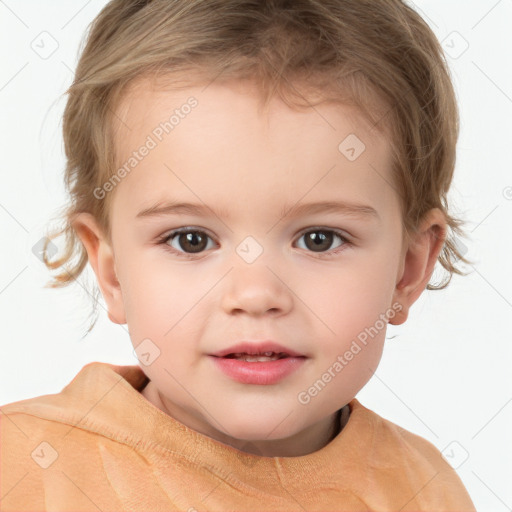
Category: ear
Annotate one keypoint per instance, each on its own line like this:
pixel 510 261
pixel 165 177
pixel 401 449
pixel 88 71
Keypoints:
pixel 101 258
pixel 419 261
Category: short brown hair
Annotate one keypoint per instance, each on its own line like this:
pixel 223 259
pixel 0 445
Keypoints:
pixel 366 53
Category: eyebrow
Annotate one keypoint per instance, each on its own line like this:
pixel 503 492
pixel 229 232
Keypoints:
pixel 350 209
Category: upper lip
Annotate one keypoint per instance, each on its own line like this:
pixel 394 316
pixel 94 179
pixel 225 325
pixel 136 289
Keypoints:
pixel 256 348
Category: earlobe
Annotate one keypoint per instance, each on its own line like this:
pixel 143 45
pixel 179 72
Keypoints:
pixel 419 262
pixel 101 258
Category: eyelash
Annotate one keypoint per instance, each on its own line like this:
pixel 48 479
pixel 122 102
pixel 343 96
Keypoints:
pixel 169 236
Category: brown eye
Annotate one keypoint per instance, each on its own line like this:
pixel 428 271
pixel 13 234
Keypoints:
pixel 189 242
pixel 321 240
pixel 318 240
pixel 192 242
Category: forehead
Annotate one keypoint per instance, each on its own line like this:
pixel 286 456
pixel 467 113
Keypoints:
pixel 147 99
pixel 210 141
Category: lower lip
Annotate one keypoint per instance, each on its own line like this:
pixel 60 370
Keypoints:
pixel 261 373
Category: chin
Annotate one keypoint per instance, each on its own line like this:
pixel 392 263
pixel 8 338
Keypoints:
pixel 251 428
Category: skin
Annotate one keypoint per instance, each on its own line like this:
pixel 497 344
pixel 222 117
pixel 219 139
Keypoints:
pixel 228 155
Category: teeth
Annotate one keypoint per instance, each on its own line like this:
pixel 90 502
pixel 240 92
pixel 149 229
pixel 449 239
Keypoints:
pixel 267 356
pixel 256 359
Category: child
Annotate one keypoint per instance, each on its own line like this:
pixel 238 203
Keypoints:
pixel 259 187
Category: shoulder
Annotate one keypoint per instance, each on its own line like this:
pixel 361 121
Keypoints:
pixel 392 444
pixel 413 466
pixel 25 451
pixel 45 461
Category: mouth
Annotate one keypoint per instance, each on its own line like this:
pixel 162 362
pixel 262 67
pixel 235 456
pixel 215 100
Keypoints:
pixel 258 363
pixel 258 358
pixel 255 351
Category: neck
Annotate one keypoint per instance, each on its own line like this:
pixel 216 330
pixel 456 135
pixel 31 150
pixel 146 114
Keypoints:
pixel 307 441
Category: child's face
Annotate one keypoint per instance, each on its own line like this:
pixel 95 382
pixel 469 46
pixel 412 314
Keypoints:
pixel 255 274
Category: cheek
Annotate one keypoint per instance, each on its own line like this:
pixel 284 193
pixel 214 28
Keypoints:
pixel 352 309
pixel 155 301
pixel 353 298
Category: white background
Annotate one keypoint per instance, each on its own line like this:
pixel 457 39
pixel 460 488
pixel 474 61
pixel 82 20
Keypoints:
pixel 445 375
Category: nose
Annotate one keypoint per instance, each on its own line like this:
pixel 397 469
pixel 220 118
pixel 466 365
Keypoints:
pixel 256 289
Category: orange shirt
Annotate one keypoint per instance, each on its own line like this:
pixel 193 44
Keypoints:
pixel 100 445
